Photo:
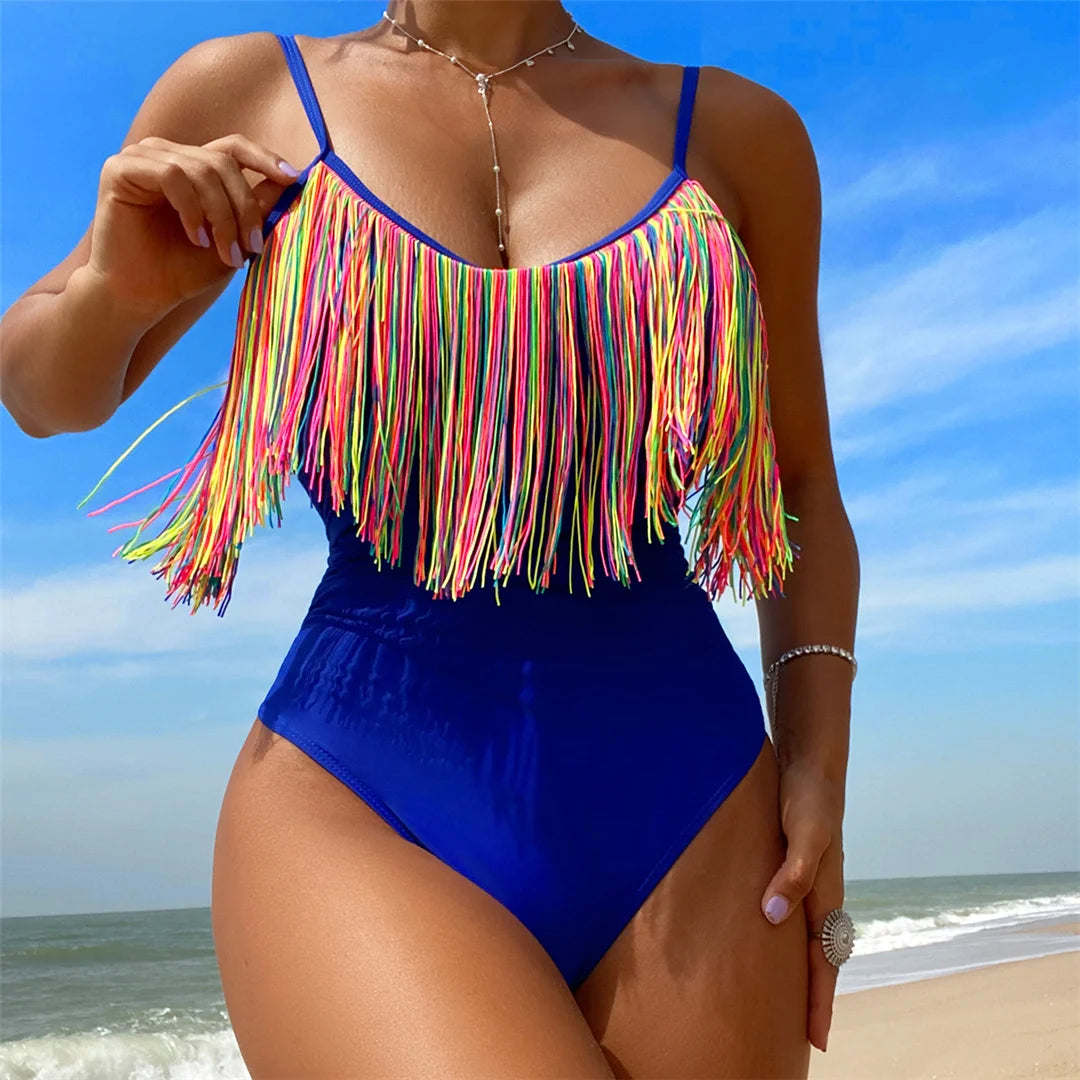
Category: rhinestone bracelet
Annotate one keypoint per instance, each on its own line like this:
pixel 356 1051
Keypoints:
pixel 800 650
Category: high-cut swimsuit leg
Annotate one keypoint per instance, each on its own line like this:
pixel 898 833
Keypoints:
pixel 560 749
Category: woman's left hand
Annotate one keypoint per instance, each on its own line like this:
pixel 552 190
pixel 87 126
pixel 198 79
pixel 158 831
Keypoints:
pixel 811 815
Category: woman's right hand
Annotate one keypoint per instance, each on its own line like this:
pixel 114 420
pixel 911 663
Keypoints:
pixel 172 220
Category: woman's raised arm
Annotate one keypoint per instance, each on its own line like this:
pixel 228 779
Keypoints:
pixel 175 217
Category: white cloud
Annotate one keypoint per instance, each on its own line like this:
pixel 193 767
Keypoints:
pixel 908 606
pixel 932 494
pixel 965 609
pixel 993 396
pixel 956 590
pixel 929 559
pixel 995 297
pixel 1034 152
pixel 119 609
pixel 917 173
pixel 944 325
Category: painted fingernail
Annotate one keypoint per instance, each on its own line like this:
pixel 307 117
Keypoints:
pixel 776 908
pixel 256 244
pixel 287 169
pixel 203 238
pixel 236 255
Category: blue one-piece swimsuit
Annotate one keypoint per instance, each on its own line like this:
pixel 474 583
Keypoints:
pixel 558 749
pixel 558 746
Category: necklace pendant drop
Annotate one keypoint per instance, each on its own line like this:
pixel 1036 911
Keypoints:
pixel 483 88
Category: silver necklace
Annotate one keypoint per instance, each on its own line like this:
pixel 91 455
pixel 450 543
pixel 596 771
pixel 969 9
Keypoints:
pixel 483 88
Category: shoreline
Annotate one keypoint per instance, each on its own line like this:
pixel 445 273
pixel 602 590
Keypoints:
pixel 981 946
pixel 1008 1019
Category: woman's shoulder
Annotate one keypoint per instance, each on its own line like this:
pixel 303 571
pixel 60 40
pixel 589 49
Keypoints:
pixel 733 105
pixel 217 67
pixel 218 86
pixel 751 139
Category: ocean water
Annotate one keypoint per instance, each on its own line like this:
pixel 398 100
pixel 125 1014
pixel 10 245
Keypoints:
pixel 137 994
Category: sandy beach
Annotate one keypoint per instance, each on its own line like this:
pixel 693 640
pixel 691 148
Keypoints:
pixel 1015 1019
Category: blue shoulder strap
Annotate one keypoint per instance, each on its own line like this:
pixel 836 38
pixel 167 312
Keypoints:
pixel 302 79
pixel 686 112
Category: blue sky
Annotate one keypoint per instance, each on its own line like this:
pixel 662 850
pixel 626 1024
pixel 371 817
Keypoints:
pixel 946 137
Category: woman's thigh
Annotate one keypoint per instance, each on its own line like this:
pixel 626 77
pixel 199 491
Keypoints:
pixel 346 950
pixel 700 984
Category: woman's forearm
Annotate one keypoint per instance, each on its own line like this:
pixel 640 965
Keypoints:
pixel 65 355
pixel 813 692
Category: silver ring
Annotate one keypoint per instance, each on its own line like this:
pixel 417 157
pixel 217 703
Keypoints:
pixel 837 935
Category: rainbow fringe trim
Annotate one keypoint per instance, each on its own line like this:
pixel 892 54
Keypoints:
pixel 517 390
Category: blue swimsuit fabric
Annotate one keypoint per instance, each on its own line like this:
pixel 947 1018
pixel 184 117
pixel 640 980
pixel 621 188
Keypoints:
pixel 558 749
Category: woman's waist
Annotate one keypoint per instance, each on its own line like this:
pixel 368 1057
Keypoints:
pixel 380 599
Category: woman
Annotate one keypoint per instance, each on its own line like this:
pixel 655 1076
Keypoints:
pixel 525 824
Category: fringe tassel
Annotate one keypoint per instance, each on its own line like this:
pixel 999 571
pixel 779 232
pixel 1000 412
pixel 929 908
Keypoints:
pixel 522 393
